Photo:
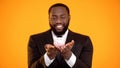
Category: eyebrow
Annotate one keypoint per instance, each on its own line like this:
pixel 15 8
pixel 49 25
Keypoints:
pixel 60 15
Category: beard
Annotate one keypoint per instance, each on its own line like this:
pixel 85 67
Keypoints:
pixel 60 32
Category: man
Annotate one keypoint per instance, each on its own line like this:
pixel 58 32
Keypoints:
pixel 59 47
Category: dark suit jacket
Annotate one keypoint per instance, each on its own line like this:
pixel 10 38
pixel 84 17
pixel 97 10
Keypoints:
pixel 82 49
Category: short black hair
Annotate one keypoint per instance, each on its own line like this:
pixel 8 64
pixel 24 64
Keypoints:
pixel 59 4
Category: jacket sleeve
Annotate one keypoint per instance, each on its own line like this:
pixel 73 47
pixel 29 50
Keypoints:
pixel 35 59
pixel 85 58
pixel 36 55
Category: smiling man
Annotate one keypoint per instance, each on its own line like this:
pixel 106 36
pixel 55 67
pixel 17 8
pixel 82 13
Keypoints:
pixel 59 47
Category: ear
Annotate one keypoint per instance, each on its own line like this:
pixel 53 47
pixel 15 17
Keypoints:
pixel 49 18
pixel 69 17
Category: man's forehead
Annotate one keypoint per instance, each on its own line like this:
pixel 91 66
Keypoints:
pixel 58 9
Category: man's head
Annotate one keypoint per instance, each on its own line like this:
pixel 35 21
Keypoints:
pixel 59 17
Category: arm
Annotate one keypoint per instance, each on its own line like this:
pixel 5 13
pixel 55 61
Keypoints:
pixel 35 59
pixel 36 55
pixel 85 58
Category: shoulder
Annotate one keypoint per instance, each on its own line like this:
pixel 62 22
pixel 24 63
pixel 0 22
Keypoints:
pixel 40 35
pixel 81 39
pixel 79 36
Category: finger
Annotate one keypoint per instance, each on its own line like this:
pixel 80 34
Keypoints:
pixel 47 45
pixel 63 49
pixel 71 44
pixel 53 49
pixel 72 41
pixel 66 49
pixel 68 45
pixel 50 46
pixel 57 47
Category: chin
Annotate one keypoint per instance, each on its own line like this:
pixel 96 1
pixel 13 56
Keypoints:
pixel 59 32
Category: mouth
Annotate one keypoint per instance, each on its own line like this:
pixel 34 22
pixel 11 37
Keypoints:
pixel 59 27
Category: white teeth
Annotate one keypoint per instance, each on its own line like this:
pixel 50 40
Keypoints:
pixel 59 26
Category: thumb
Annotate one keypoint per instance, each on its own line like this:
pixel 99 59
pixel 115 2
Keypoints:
pixel 72 42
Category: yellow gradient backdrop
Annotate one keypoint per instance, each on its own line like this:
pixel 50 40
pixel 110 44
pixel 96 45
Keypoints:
pixel 100 19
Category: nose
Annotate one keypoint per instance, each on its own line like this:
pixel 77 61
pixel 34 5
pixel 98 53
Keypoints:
pixel 58 20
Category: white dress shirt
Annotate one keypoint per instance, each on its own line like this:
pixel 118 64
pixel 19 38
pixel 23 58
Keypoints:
pixel 61 41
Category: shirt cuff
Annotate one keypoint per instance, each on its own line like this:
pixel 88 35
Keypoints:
pixel 47 60
pixel 71 61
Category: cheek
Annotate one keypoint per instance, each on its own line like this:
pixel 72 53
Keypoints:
pixel 66 21
pixel 52 24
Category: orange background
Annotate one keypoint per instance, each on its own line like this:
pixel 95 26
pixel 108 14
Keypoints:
pixel 100 19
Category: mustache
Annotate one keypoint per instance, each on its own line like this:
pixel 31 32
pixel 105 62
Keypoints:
pixel 59 33
pixel 59 24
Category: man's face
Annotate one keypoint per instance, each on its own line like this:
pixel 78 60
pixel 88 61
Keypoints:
pixel 59 20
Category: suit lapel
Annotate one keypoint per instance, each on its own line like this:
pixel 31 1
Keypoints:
pixel 49 39
pixel 69 37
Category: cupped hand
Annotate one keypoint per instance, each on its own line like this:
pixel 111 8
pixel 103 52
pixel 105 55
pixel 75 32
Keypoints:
pixel 66 49
pixel 51 51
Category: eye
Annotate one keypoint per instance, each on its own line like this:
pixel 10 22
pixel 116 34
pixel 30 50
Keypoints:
pixel 62 17
pixel 53 18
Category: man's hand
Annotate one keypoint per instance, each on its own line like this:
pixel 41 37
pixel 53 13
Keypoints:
pixel 66 50
pixel 51 51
